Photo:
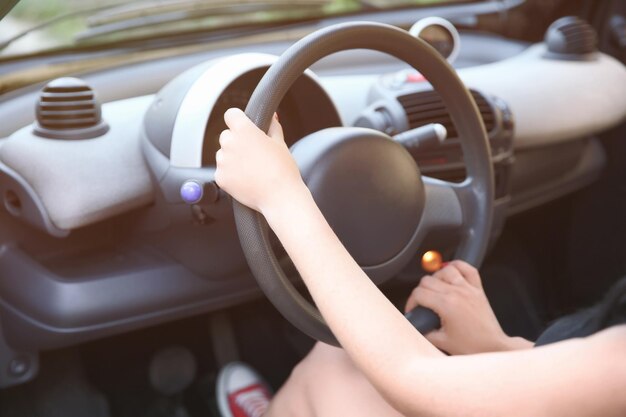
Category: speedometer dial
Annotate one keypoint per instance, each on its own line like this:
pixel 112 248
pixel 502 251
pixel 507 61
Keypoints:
pixel 237 94
pixel 236 98
pixel 302 110
pixel 440 34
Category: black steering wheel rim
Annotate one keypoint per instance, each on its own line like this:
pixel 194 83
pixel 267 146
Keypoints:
pixel 477 194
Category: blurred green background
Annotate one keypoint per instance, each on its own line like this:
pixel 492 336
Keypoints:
pixel 29 13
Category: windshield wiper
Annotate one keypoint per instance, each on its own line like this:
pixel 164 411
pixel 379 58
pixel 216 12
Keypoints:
pixel 150 13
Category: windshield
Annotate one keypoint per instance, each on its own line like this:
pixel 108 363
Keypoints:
pixel 36 25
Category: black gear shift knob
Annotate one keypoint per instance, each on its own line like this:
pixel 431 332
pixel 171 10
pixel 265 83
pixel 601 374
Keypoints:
pixel 423 319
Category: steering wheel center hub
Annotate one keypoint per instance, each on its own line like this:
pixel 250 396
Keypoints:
pixel 367 186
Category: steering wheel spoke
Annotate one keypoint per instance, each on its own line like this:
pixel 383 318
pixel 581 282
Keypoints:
pixel 443 208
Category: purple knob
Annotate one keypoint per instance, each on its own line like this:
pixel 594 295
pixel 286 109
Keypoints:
pixel 191 192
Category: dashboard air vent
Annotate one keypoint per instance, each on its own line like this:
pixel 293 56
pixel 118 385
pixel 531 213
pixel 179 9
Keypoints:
pixel 571 37
pixel 427 107
pixel 68 109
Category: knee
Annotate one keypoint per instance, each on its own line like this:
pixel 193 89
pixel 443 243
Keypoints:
pixel 310 381
pixel 299 394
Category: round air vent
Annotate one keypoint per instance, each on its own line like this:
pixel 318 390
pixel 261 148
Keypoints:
pixel 68 109
pixel 571 38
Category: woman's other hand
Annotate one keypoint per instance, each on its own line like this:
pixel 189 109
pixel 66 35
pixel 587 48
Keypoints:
pixel 468 324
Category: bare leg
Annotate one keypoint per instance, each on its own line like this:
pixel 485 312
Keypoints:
pixel 327 384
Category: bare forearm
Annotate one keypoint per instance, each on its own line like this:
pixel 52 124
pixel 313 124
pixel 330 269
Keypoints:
pixel 373 332
pixel 580 377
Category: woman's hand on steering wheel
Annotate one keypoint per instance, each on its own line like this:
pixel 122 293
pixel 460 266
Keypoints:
pixel 254 168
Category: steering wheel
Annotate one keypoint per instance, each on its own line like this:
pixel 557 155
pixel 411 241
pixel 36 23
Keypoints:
pixel 367 185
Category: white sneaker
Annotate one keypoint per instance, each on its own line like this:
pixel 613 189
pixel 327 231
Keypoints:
pixel 241 392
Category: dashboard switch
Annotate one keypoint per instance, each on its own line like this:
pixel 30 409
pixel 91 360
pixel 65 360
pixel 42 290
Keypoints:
pixel 429 136
pixel 191 192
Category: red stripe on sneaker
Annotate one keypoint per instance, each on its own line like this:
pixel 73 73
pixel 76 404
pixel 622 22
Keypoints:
pixel 250 388
pixel 251 401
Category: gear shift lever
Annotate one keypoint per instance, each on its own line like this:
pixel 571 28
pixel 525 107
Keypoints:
pixel 424 319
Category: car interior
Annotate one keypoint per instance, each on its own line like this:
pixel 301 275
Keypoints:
pixel 128 278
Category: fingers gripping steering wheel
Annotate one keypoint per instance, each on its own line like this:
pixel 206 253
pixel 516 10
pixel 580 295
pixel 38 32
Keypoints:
pixel 368 186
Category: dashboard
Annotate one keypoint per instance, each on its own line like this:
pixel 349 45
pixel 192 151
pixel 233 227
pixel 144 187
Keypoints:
pixel 99 240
